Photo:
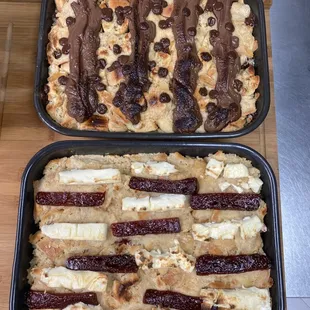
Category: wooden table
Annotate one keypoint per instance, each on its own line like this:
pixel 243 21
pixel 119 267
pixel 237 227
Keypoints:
pixel 22 134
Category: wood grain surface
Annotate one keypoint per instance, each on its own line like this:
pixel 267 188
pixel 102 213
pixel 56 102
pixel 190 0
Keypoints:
pixel 22 134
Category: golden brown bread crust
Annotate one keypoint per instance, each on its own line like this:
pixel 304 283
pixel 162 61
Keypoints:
pixel 125 291
pixel 158 116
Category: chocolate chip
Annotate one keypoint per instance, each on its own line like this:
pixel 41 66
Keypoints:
pixel 213 94
pixel 186 12
pixel 232 55
pixel 203 91
pixel 211 21
pixel 46 89
pixel 126 69
pixel 165 42
pixel 158 47
pixel 164 98
pixel 157 10
pixel 127 10
pixel 66 49
pixel 199 9
pixel 214 33
pixel 119 11
pixel 218 6
pixel 123 59
pixel 122 86
pixel 115 65
pixel 57 53
pixel 163 72
pixel 62 80
pixel 107 14
pixel 117 49
pixel 101 87
pixel 230 27
pixel 251 20
pixel 165 4
pixel 234 41
pixel 63 41
pixel 152 65
pixel 102 63
pixel 102 108
pixel 237 84
pixel 205 56
pixel 191 31
pixel 209 8
pixel 170 21
pixel 210 107
pixel 70 21
pixel 163 24
pixel 144 26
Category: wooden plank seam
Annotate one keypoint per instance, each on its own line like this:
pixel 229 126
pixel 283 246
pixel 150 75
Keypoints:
pixel 5 68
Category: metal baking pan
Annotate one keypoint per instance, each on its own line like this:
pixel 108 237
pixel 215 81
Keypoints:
pixel 33 171
pixel 261 67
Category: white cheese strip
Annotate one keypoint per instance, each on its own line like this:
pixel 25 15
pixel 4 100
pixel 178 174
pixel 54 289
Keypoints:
pixel 85 281
pixel 73 231
pixel 206 231
pixel 160 168
pixel 251 226
pixel 235 171
pixel 255 184
pixel 82 306
pixel 136 204
pixel 248 227
pixel 214 168
pixel 159 203
pixel 90 176
pixel 175 258
pixel 251 298
pixel 167 202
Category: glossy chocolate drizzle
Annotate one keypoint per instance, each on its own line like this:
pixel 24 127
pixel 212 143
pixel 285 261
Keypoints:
pixel 84 69
pixel 228 107
pixel 129 97
pixel 186 116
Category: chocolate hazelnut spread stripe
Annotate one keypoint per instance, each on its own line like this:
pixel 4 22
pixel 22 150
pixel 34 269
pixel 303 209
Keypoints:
pixel 84 68
pixel 156 226
pixel 213 264
pixel 123 263
pixel 186 115
pixel 129 97
pixel 228 107
pixel 69 199
pixel 44 300
pixel 172 299
pixel 225 201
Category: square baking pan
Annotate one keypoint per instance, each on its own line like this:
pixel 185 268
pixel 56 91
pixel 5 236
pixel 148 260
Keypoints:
pixel 34 171
pixel 261 68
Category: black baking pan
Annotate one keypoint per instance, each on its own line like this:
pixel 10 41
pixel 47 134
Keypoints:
pixel 34 171
pixel 261 67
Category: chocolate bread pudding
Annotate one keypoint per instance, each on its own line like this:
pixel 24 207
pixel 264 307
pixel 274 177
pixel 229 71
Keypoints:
pixel 180 66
